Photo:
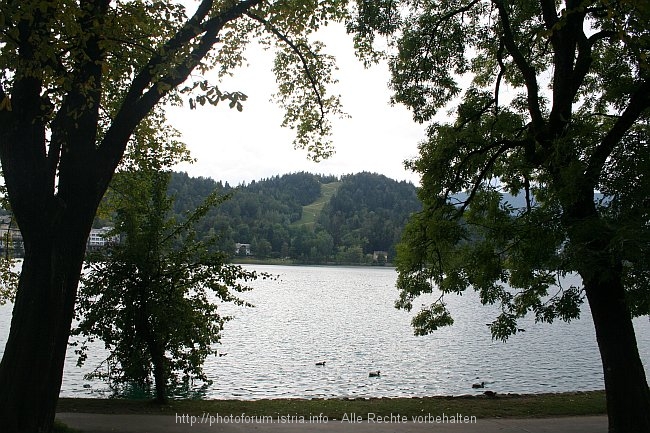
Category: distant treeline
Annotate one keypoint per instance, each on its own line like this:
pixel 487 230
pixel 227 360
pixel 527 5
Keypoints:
pixel 302 216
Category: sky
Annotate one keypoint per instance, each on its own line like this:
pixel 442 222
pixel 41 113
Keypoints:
pixel 239 147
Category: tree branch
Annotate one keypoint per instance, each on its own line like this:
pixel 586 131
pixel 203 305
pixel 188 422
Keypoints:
pixel 190 30
pixel 549 13
pixel 639 102
pixel 75 125
pixel 137 105
pixel 505 146
pixel 455 12
pixel 564 37
pixel 529 73
pixel 312 81
pixel 502 71
pixel 3 95
pixel 584 60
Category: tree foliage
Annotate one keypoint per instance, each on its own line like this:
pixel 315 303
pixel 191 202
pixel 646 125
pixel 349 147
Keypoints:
pixel 152 300
pixel 587 132
pixel 557 108
pixel 76 80
pixel 8 279
pixel 366 213
pixel 8 274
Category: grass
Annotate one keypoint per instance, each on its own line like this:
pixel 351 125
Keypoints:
pixel 311 211
pixel 59 427
pixel 511 405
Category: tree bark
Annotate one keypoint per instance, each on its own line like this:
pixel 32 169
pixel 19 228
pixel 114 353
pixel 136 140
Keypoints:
pixel 159 373
pixel 628 397
pixel 144 327
pixel 601 269
pixel 32 365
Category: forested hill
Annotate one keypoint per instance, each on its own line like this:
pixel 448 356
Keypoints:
pixel 305 217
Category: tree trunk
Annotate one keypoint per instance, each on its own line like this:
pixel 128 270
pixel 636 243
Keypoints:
pixel 144 330
pixel 32 365
pixel 592 244
pixel 628 396
pixel 159 374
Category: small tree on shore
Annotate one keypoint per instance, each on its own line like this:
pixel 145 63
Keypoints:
pixel 153 298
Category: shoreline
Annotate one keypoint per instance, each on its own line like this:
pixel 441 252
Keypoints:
pixel 577 403
pixel 295 262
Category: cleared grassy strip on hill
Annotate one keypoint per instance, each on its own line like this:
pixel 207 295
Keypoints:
pixel 311 211
pixel 516 406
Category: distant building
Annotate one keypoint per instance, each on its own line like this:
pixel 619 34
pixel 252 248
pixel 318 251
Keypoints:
pixel 11 238
pixel 380 256
pixel 100 238
pixel 243 249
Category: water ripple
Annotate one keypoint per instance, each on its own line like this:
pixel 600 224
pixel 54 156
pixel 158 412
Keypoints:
pixel 345 316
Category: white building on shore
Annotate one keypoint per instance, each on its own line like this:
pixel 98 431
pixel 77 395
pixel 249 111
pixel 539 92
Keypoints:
pixel 100 238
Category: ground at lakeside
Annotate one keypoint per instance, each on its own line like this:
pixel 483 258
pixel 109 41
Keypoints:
pixel 103 423
pixel 565 412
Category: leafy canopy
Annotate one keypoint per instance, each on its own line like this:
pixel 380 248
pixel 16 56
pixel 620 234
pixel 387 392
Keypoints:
pixel 112 59
pixel 557 109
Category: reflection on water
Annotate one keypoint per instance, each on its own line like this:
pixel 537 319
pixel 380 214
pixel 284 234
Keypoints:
pixel 345 317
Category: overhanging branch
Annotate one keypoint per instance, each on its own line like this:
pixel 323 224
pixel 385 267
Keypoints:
pixel 143 94
pixel 505 146
pixel 312 81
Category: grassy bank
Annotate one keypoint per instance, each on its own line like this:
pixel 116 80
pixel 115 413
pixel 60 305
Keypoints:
pixel 540 405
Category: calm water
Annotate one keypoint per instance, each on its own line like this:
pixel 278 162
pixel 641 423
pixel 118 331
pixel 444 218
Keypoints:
pixel 345 316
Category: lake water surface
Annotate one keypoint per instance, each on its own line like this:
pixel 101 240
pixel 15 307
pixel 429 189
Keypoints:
pixel 345 317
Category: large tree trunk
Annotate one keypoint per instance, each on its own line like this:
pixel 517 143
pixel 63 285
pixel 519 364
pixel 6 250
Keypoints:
pixel 628 396
pixel 32 366
pixel 593 247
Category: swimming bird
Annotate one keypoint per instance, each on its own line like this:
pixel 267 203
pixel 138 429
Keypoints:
pixel 222 354
pixel 320 363
pixel 478 385
pixel 490 393
pixel 374 374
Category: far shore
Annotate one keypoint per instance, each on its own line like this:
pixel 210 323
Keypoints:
pixel 292 262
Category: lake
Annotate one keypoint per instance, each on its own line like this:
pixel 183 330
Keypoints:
pixel 345 317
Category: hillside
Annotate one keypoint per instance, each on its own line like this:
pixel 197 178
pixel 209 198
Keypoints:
pixel 311 212
pixel 302 216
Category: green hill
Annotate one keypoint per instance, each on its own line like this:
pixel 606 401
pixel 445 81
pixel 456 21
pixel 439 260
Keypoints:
pixel 302 216
pixel 311 212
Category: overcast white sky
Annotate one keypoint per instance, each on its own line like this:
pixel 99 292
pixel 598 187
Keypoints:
pixel 241 147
